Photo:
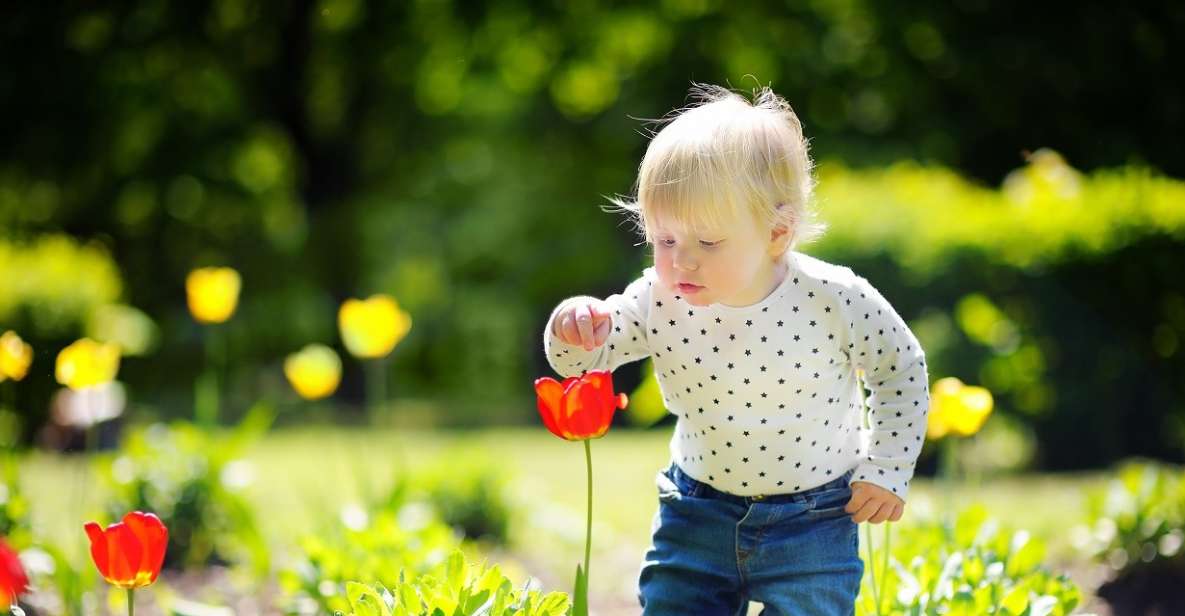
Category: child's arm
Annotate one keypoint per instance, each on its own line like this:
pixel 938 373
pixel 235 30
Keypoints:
pixel 626 331
pixel 894 367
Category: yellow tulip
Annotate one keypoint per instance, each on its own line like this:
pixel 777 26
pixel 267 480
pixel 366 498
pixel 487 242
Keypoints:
pixel 975 404
pixel 957 409
pixel 213 293
pixel 942 393
pixel 371 328
pixel 314 371
pixel 87 363
pixel 15 356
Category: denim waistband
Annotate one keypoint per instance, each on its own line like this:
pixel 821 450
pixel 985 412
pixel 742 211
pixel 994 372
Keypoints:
pixel 694 488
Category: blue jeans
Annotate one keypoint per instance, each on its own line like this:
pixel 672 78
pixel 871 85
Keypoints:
pixel 713 552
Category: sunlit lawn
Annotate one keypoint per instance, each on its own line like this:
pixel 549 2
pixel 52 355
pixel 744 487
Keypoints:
pixel 303 476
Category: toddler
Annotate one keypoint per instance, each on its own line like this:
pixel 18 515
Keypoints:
pixel 763 353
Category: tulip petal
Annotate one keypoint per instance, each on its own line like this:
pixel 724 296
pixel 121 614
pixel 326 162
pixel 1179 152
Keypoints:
pixel 581 407
pixel 125 553
pixel 99 548
pixel 213 293
pixel 372 327
pixel 549 391
pixel 575 420
pixel 604 402
pixel 13 580
pixel 585 419
pixel 549 394
pixel 314 371
pixel 154 538
pixel 602 383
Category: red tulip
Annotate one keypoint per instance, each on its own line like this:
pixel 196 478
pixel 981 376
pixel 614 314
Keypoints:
pixel 13 581
pixel 129 554
pixel 581 407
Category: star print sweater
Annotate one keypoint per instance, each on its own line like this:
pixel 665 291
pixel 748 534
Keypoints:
pixel 768 396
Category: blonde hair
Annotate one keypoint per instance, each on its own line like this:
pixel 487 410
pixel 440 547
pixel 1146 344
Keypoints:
pixel 724 156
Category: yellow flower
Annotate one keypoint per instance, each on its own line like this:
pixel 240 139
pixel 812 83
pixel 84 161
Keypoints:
pixel 87 363
pixel 314 371
pixel 213 293
pixel 372 327
pixel 957 409
pixel 15 357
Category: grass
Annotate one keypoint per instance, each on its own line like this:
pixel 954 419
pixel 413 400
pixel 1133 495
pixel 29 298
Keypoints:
pixel 303 476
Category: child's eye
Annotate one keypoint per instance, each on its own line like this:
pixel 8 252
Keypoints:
pixel 707 244
pixel 667 242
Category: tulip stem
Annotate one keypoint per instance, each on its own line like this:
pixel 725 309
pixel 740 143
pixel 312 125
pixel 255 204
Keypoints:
pixel 10 405
pixel 884 568
pixel 376 387
pixel 876 597
pixel 206 396
pixel 131 602
pixel 949 471
pixel 872 568
pixel 588 527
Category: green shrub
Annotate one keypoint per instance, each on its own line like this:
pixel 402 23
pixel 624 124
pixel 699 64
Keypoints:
pixel 56 280
pixel 975 568
pixel 1045 212
pixel 190 477
pixel 469 493
pixel 1139 517
pixel 454 588
pixel 374 546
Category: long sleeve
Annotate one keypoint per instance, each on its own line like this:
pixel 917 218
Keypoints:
pixel 627 336
pixel 894 371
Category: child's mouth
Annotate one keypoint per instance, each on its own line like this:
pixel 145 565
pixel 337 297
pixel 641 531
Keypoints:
pixel 688 288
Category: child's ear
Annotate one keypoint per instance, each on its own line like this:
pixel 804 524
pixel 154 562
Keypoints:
pixel 781 234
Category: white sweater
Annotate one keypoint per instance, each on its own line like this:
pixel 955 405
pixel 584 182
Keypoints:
pixel 767 395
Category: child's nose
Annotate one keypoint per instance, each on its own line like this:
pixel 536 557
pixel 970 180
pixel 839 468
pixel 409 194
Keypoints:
pixel 683 261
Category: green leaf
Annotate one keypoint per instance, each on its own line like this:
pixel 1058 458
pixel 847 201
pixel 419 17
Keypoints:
pixel 973 569
pixel 967 525
pixel 478 603
pixel 1026 555
pixel 1016 601
pixel 364 601
pixel 554 603
pixel 455 571
pixel 580 594
pixel 409 598
pixel 462 607
pixel 963 604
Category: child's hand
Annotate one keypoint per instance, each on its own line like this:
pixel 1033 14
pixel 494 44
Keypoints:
pixel 874 504
pixel 583 322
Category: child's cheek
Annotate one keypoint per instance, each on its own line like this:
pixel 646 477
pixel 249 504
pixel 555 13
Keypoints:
pixel 662 265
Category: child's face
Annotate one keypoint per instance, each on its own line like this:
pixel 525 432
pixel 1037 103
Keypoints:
pixel 734 266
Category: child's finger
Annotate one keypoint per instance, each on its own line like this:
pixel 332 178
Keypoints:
pixel 600 313
pixel 865 511
pixel 601 331
pixel 859 497
pixel 882 514
pixel 570 334
pixel 558 326
pixel 584 325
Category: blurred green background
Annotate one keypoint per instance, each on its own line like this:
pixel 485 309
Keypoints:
pixel 1002 171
